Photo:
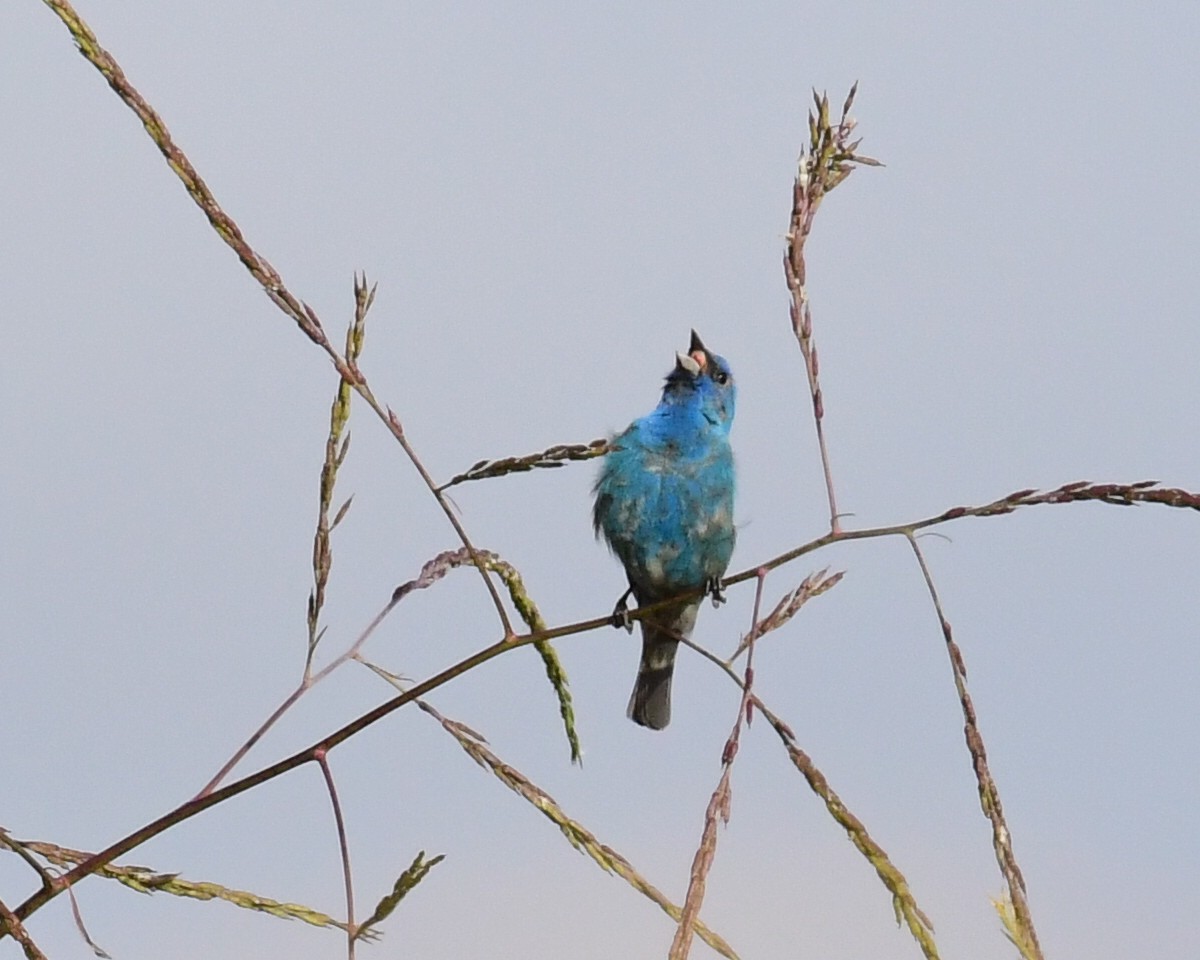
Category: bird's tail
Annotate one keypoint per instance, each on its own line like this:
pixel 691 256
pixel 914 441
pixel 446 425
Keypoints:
pixel 650 702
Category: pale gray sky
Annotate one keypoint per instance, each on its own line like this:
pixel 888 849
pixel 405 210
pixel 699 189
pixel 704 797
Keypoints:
pixel 550 196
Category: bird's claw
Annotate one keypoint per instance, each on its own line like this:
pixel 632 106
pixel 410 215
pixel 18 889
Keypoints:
pixel 715 589
pixel 620 614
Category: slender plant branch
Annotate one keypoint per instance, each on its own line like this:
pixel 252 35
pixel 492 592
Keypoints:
pixel 576 834
pixel 788 606
pixel 337 445
pixel 10 925
pixel 23 851
pixel 1122 494
pixel 306 683
pixel 989 795
pixel 77 916
pixel 262 271
pixel 203 802
pixel 433 571
pixel 556 456
pixel 322 758
pixel 719 804
pixel 825 163
pixel 904 904
pixel 148 881
pixel 1014 930
pixel 407 881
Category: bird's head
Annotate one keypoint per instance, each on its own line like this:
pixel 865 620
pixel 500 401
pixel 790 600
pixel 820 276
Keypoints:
pixel 702 378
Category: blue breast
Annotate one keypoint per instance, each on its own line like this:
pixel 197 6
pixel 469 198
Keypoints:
pixel 664 503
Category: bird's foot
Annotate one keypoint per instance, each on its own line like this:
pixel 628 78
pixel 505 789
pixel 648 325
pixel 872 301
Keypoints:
pixel 620 614
pixel 715 589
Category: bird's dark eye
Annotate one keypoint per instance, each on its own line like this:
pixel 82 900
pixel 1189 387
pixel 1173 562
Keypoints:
pixel 721 377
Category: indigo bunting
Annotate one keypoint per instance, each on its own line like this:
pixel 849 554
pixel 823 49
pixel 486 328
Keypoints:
pixel 664 504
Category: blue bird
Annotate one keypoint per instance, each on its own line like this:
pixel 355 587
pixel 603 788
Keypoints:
pixel 664 504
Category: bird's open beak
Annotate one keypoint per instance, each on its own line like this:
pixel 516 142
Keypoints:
pixel 698 352
pixel 688 364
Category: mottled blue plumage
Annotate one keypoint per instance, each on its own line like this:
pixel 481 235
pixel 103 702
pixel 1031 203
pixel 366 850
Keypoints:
pixel 664 504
